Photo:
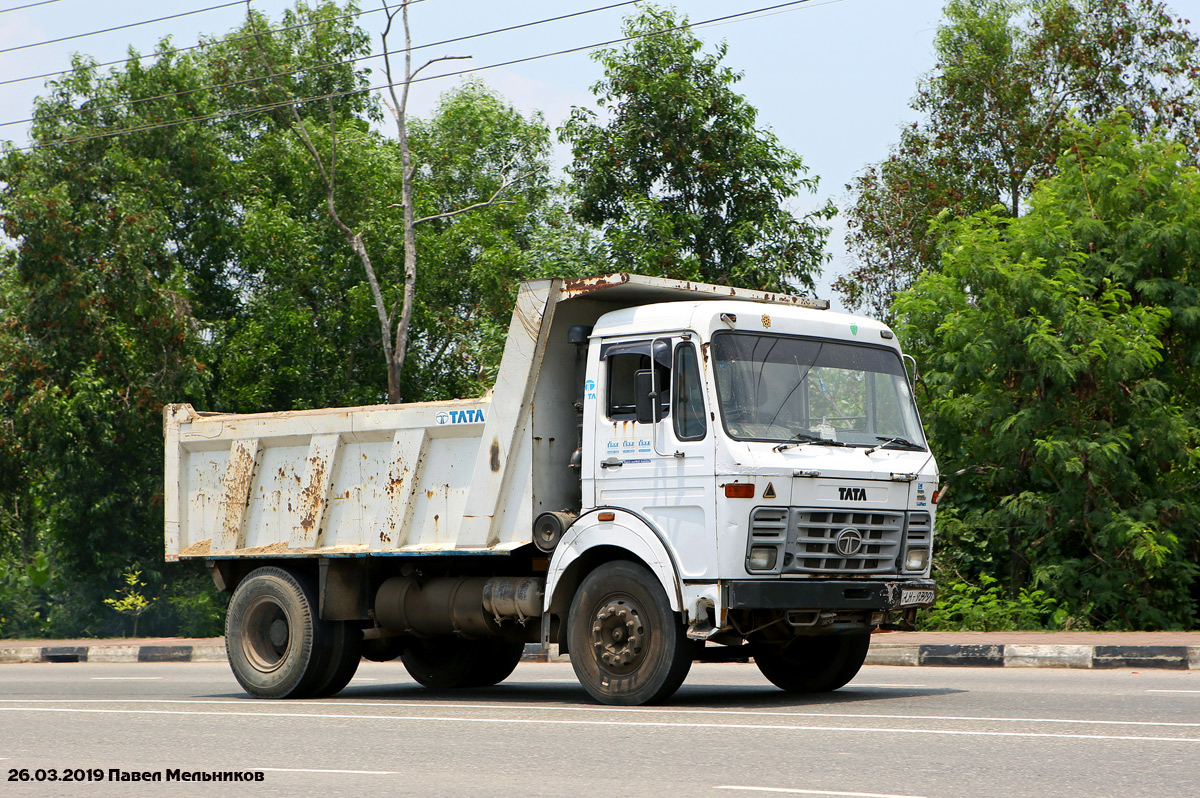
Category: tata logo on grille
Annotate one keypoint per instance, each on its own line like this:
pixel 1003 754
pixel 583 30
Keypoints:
pixel 848 542
pixel 852 494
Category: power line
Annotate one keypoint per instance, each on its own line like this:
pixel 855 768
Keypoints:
pixel 27 5
pixel 335 95
pixel 195 46
pixel 119 27
pixel 771 14
pixel 327 65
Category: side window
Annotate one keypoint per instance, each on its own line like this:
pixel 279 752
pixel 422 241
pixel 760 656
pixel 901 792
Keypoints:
pixel 623 361
pixel 690 422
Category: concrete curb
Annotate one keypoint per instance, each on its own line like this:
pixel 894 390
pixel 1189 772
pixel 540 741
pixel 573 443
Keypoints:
pixel 1018 655
pixel 997 655
pixel 990 655
pixel 113 653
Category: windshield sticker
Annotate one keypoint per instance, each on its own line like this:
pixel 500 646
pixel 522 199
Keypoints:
pixel 459 417
pixel 590 388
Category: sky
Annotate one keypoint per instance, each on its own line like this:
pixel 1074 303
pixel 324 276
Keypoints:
pixel 830 78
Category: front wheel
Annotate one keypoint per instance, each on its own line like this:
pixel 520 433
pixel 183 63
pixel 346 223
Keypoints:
pixel 627 646
pixel 815 664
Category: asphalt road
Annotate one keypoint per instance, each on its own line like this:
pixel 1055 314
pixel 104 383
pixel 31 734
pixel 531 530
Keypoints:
pixel 893 732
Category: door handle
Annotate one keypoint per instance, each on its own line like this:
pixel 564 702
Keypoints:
pixel 611 462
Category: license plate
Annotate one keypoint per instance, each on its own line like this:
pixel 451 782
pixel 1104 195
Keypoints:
pixel 914 596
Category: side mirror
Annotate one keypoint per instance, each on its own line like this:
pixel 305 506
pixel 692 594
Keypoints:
pixel 649 409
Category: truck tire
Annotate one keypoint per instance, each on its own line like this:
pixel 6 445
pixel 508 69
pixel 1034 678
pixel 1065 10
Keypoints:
pixel 627 646
pixel 345 652
pixel 452 662
pixel 814 664
pixel 493 662
pixel 277 645
pixel 437 662
pixel 383 649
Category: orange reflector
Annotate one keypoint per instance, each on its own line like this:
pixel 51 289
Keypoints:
pixel 739 490
pixel 606 516
pixel 937 494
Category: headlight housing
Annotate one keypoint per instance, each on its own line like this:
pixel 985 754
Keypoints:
pixel 915 559
pixel 762 558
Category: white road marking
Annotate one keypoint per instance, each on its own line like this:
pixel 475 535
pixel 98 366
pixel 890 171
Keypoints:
pixel 607 709
pixel 863 684
pixel 647 724
pixel 549 681
pixel 316 770
pixel 797 791
pixel 1173 691
pixel 125 678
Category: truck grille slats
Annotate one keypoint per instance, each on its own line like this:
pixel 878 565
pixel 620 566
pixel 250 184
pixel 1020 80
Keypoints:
pixel 870 539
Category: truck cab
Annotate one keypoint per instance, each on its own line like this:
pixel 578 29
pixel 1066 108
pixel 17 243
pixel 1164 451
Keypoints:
pixel 778 456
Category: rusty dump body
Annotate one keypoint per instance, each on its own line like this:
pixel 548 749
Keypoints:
pixel 455 477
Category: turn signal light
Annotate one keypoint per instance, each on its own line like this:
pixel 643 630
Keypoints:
pixel 606 516
pixel 739 490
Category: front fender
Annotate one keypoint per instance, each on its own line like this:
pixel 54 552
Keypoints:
pixel 626 531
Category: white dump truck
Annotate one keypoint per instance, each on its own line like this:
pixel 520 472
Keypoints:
pixel 663 472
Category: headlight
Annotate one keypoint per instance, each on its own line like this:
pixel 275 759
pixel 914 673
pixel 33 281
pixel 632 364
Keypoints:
pixel 762 558
pixel 915 559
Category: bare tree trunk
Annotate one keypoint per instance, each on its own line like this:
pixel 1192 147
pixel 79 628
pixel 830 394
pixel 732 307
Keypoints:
pixel 395 347
pixel 400 109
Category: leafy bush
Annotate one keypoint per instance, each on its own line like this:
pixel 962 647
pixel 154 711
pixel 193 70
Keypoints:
pixel 986 607
pixel 24 597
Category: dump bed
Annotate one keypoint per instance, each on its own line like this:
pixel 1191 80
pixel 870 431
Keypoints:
pixel 454 477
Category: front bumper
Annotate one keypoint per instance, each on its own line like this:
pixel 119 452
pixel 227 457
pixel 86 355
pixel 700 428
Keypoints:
pixel 821 594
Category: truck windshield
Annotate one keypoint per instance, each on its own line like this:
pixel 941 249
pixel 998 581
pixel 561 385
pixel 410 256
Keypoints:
pixel 812 390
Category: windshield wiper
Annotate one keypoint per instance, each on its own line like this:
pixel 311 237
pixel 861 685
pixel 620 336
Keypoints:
pixel 895 442
pixel 808 437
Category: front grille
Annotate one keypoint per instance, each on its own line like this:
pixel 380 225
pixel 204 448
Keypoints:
pixel 920 527
pixel 809 538
pixel 769 525
pixel 814 544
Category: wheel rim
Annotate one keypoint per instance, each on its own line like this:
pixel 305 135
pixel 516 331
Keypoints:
pixel 618 635
pixel 267 634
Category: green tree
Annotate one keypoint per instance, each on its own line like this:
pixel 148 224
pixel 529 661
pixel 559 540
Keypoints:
pixel 160 259
pixel 1008 73
pixel 311 312
pixel 679 177
pixel 1060 352
pixel 473 262
pixel 96 321
pixel 127 273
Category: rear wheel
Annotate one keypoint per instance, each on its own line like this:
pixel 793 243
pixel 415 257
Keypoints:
pixel 814 664
pixel 383 649
pixel 494 661
pixel 345 652
pixel 275 642
pixel 437 662
pixel 450 662
pixel 627 646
